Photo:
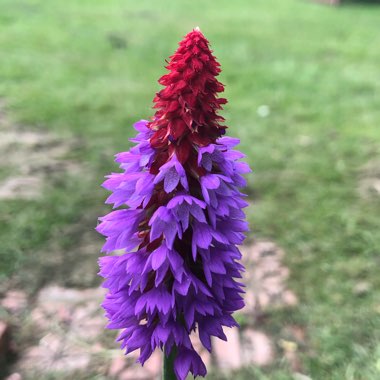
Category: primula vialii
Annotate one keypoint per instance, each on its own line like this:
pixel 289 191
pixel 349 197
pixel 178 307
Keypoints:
pixel 179 219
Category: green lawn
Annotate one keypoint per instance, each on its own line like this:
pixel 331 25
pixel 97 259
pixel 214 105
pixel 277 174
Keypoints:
pixel 88 69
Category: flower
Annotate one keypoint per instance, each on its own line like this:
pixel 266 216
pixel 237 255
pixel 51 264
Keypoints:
pixel 178 220
pixel 172 173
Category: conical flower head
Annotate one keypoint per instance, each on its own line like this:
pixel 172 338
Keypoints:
pixel 187 106
pixel 178 219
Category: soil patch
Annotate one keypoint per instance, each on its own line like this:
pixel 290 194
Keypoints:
pixel 33 158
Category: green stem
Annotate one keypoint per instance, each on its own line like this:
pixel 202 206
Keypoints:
pixel 169 365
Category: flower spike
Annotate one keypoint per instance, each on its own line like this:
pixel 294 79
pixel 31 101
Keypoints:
pixel 179 219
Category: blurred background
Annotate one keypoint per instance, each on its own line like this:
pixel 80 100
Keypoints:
pixel 302 79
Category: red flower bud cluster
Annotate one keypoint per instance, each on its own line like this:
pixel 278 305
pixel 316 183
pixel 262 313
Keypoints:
pixel 186 115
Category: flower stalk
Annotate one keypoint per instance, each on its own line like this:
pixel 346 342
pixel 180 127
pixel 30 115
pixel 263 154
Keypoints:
pixel 168 368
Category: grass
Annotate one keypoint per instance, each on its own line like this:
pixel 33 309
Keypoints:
pixel 88 69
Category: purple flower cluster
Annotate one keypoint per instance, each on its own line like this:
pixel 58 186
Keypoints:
pixel 177 274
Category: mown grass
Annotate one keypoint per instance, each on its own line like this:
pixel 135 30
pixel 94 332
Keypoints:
pixel 89 69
